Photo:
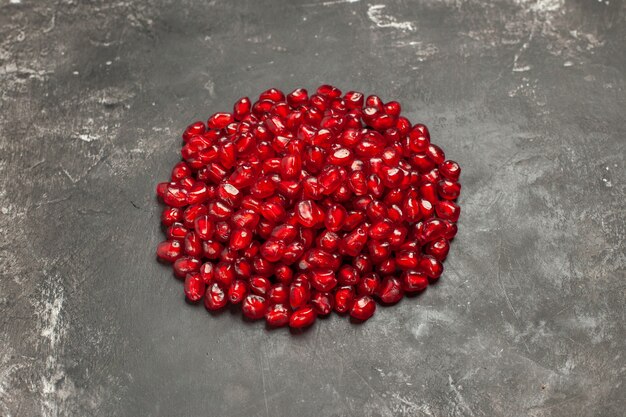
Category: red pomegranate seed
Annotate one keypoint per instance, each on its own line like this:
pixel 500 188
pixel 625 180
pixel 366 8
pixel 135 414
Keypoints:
pixel 237 291
pixel 278 294
pixel 292 205
pixel 438 249
pixel 363 308
pixel 323 279
pixel 449 190
pixel 242 108
pixel 220 120
pixel 193 129
pixel 254 307
pixel 277 315
pixel 303 317
pixel 431 267
pixel 260 285
pixel 214 297
pixel 299 294
pixel 413 281
pixel 322 303
pixel 369 284
pixel 170 250
pixel 224 273
pixel 344 298
pixel 194 287
pixel 193 245
pixel 171 215
pixel 186 265
pixel 390 291
pixel 348 275
pixel 206 272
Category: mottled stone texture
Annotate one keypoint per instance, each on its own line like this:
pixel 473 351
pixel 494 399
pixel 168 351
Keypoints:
pixel 528 319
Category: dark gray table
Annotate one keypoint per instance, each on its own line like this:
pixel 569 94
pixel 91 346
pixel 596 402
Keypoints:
pixel 528 319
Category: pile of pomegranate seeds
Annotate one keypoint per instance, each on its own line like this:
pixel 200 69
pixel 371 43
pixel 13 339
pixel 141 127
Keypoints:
pixel 295 206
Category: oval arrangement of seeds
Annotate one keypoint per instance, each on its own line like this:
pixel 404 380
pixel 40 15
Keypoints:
pixel 299 205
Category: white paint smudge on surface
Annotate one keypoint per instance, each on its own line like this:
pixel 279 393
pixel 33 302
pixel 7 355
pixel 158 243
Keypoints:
pixel 330 3
pixel 87 137
pixel 460 401
pixel 55 386
pixel 376 15
pixel 544 6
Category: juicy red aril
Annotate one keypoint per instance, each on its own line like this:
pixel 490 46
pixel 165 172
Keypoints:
pixel 369 283
pixel 215 297
pixel 303 317
pixel 322 303
pixel 170 250
pixel 431 267
pixel 186 265
pixel 278 294
pixel 413 281
pixel 194 287
pixel 295 205
pixel 237 291
pixel 277 315
pixel 254 307
pixel 438 249
pixel 363 308
pixel 390 291
pixel 344 298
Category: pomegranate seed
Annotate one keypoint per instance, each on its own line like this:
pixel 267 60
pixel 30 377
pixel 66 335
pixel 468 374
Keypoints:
pixel 237 291
pixel 344 298
pixel 193 129
pixel 171 215
pixel 273 250
pixel 323 279
pixel 214 297
pixel 272 94
pixel 273 212
pixel 298 97
pixel 450 170
pixel 283 274
pixel 303 317
pixel 449 190
pixel 363 308
pixel 242 108
pixel 413 281
pixel 369 283
pixel 348 275
pixel 254 307
pixel 170 250
pixel 431 267
pixel 194 287
pixel 211 249
pixel 224 273
pixel 206 272
pixel 381 229
pixel 186 265
pixel 193 245
pixel 260 285
pixel 390 291
pixel 294 206
pixel 299 294
pixel 277 315
pixel 220 120
pixel 435 154
pixel 322 303
pixel 278 294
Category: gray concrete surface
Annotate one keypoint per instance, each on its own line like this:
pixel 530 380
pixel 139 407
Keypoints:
pixel 528 319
